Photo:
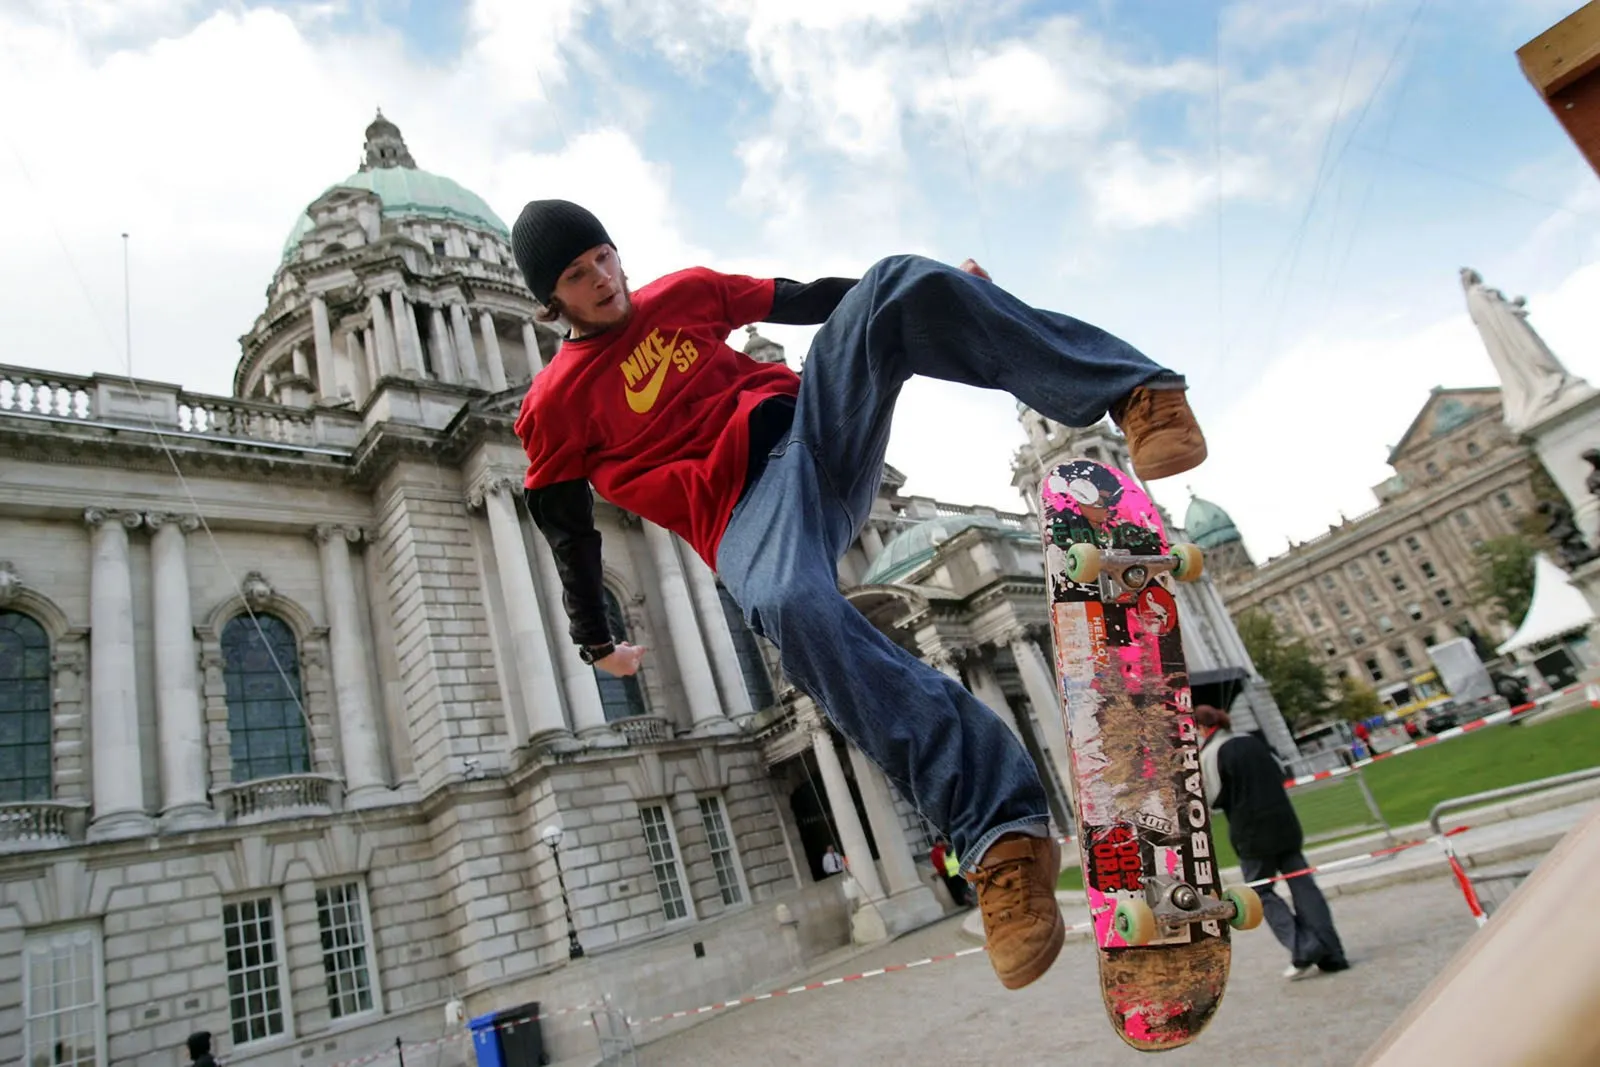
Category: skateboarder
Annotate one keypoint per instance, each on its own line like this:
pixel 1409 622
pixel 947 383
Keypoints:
pixel 769 476
pixel 1243 780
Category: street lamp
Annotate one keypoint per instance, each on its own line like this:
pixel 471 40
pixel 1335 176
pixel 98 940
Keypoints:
pixel 552 837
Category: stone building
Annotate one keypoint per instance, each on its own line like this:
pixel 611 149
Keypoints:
pixel 1374 592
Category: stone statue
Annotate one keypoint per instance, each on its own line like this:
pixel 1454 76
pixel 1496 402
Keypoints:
pixel 1570 545
pixel 1533 381
pixel 1592 483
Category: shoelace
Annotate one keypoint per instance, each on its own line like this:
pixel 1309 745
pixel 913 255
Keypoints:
pixel 1008 880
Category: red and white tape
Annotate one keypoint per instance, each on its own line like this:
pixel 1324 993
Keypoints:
pixel 1412 746
pixel 1351 861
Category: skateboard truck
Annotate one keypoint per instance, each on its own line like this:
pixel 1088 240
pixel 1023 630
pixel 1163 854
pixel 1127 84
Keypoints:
pixel 1169 904
pixel 1123 574
pixel 1175 903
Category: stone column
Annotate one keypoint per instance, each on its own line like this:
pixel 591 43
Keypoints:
pixel 693 667
pixel 365 777
pixel 871 542
pixel 388 358
pixel 842 811
pixel 491 352
pixel 118 767
pixel 369 345
pixel 719 640
pixel 1039 680
pixel 322 338
pixel 536 673
pixel 530 342
pixel 355 364
pixel 466 351
pixel 986 687
pixel 443 353
pixel 577 677
pixel 297 360
pixel 899 869
pixel 405 335
pixel 184 803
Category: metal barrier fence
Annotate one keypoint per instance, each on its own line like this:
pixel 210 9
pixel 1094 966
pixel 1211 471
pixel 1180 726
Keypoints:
pixel 1495 884
pixel 615 1033
pixel 1335 808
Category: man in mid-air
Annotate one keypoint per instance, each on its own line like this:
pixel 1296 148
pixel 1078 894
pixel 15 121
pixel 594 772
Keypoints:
pixel 769 475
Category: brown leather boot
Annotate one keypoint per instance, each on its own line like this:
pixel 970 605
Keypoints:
pixel 1022 925
pixel 1163 436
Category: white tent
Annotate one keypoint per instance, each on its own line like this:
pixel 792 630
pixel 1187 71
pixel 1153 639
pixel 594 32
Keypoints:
pixel 1556 608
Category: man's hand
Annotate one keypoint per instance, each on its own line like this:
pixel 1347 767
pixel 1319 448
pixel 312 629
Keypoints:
pixel 971 267
pixel 623 661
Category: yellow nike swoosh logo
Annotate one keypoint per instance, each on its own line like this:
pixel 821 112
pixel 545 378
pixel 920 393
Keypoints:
pixel 645 399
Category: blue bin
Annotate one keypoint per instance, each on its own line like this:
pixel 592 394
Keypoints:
pixel 485 1040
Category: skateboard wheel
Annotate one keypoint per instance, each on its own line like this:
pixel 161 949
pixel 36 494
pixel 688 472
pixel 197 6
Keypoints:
pixel 1134 922
pixel 1191 564
pixel 1246 907
pixel 1083 562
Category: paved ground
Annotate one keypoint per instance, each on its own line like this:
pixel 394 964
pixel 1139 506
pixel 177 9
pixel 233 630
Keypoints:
pixel 1397 938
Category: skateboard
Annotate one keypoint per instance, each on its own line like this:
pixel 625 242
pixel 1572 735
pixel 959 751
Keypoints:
pixel 1161 918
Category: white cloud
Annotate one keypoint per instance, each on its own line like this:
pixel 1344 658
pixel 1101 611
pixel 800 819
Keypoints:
pixel 1131 189
pixel 206 145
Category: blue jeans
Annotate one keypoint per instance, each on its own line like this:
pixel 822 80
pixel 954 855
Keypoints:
pixel 948 754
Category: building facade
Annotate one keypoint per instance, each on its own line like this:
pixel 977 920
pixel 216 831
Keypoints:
pixel 1374 592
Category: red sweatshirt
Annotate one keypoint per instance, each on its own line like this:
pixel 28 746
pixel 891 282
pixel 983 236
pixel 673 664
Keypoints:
pixel 655 415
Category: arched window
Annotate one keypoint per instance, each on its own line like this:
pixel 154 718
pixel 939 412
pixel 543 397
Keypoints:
pixel 266 729
pixel 24 708
pixel 751 664
pixel 620 697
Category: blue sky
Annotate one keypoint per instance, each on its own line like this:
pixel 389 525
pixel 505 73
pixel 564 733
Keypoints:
pixel 1364 151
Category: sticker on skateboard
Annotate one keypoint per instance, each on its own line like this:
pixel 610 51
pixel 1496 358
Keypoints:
pixel 1162 920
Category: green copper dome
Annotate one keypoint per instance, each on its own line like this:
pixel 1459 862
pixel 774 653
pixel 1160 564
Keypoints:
pixel 1207 525
pixel 405 190
pixel 915 545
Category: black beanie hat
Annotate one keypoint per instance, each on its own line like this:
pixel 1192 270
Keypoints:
pixel 548 236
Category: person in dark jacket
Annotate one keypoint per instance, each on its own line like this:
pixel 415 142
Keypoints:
pixel 200 1049
pixel 1243 780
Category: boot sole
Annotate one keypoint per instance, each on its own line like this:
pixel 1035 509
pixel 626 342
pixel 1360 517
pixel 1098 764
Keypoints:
pixel 1172 467
pixel 1034 969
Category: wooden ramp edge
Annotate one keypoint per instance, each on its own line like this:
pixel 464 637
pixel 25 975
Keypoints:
pixel 1526 988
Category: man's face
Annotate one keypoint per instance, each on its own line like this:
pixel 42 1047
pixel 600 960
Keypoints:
pixel 592 291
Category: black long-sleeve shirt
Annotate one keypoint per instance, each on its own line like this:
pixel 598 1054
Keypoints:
pixel 564 511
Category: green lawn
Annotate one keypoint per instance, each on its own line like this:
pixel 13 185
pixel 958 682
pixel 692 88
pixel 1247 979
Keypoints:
pixel 1407 787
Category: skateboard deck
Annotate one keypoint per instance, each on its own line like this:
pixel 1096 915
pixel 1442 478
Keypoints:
pixel 1161 918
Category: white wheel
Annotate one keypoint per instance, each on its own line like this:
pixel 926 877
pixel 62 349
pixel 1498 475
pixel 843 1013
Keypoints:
pixel 1083 563
pixel 1191 562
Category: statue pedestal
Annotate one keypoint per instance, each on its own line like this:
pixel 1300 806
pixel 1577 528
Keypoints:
pixel 1561 441
pixel 1586 579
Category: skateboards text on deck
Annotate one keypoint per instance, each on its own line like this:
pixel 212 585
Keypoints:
pixel 1161 916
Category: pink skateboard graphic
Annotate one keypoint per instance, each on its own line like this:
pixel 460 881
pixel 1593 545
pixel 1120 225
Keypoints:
pixel 1162 919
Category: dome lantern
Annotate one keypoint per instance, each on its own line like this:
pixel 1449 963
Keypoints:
pixel 385 147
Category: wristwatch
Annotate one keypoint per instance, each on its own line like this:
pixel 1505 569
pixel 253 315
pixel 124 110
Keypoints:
pixel 592 654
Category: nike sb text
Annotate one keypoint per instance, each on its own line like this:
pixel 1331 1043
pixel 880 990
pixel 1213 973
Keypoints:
pixel 648 363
